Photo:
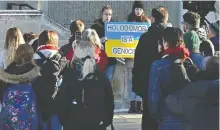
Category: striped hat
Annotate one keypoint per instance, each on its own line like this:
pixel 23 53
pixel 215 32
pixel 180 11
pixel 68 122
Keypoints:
pixel 202 33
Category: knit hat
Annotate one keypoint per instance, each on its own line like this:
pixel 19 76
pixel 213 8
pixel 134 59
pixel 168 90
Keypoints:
pixel 137 4
pixel 202 33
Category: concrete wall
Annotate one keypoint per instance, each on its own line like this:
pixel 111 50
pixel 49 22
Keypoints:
pixel 3 4
pixel 66 11
pixel 88 11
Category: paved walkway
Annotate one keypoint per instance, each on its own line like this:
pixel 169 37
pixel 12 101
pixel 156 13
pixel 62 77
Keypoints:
pixel 124 121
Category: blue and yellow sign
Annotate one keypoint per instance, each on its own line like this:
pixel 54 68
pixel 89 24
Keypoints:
pixel 123 38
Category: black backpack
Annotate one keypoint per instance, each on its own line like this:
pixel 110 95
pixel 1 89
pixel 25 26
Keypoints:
pixel 50 68
pixel 46 86
pixel 182 72
pixel 86 99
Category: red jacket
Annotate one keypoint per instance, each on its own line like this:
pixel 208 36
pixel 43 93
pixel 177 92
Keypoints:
pixel 101 58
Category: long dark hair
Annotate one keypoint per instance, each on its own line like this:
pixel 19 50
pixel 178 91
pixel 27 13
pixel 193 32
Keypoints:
pixel 133 18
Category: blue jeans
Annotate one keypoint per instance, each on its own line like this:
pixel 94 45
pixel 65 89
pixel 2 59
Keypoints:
pixel 110 72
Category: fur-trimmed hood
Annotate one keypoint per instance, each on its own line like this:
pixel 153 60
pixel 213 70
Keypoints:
pixel 22 78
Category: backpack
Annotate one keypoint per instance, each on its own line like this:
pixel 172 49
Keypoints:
pixel 182 72
pixel 19 108
pixel 86 99
pixel 51 69
pixel 49 83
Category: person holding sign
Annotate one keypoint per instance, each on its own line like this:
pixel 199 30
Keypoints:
pixel 137 15
pixel 106 16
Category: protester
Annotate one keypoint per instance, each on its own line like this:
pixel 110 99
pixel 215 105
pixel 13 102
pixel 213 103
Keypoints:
pixel 160 77
pixel 190 24
pixel 194 96
pixel 67 50
pixel 213 34
pixel 86 97
pixel 106 16
pixel 48 58
pixel 137 15
pixel 19 108
pixel 145 54
pixel 203 113
pixel 13 39
pixel 101 57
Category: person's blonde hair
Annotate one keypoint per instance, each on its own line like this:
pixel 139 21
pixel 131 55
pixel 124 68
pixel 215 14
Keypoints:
pixel 24 55
pixel 85 50
pixel 13 39
pixel 92 36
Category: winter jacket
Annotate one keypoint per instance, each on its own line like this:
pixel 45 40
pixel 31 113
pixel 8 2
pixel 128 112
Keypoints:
pixel 197 59
pixel 101 59
pixel 200 104
pixel 100 29
pixel 145 54
pixel 159 78
pixel 14 74
pixel 215 41
pixel 130 61
pixel 45 85
pixel 71 116
pixel 67 50
pixel 19 78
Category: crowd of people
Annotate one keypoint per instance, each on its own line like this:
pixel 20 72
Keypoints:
pixel 173 79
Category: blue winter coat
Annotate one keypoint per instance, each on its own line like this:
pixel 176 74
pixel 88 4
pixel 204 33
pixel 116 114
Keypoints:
pixel 159 77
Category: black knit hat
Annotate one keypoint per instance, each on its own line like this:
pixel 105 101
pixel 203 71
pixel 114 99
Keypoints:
pixel 137 4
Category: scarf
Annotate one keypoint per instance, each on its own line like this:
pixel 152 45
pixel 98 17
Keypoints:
pixel 47 47
pixel 181 52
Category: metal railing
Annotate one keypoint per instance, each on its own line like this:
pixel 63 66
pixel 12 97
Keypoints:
pixel 32 12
